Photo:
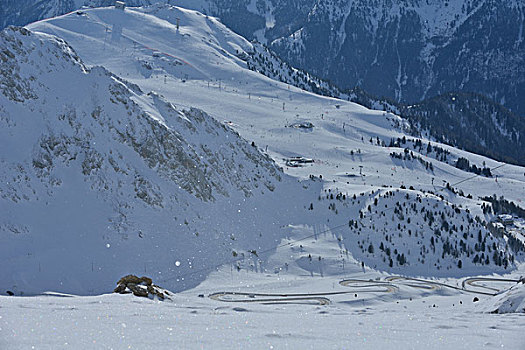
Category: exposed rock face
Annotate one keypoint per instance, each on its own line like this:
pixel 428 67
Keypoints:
pixel 140 287
pixel 90 164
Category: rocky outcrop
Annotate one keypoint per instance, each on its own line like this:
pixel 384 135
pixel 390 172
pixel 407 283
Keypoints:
pixel 140 287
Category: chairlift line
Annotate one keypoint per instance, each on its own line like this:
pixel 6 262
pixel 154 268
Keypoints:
pixel 300 239
pixel 476 175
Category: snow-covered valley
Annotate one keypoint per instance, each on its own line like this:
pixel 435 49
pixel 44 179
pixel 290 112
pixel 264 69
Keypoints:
pixel 116 170
pixel 409 318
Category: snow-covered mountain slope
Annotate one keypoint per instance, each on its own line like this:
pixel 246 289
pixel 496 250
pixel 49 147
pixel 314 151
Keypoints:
pixel 441 25
pixel 270 268
pixel 510 301
pixel 22 12
pixel 411 50
pixel 464 120
pixel 99 179
pixel 203 64
pixel 405 50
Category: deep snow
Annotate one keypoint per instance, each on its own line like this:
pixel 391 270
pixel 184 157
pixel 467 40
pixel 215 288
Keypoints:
pixel 294 249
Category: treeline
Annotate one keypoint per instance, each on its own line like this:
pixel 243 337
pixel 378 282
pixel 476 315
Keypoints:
pixel 502 206
pixel 464 164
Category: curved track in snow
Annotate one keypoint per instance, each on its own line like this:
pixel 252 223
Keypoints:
pixel 388 285
pixel 269 298
pixel 472 282
pixel 363 285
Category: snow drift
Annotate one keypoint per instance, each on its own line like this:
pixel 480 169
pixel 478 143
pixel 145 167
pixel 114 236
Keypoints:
pixel 509 301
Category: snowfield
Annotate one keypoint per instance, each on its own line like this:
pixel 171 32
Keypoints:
pixel 277 217
pixel 508 302
pixel 413 321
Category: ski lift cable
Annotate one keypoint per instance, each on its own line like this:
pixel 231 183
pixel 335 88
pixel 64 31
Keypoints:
pixel 474 176
pixel 289 243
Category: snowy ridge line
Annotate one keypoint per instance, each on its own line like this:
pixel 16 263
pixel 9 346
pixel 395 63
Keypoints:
pixel 309 236
pixel 109 30
pixel 441 188
pixel 95 20
pixel 64 15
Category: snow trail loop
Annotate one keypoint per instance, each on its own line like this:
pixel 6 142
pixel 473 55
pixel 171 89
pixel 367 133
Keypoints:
pixel 388 285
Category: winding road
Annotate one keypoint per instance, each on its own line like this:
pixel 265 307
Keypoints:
pixel 388 285
pixel 472 282
pixel 265 298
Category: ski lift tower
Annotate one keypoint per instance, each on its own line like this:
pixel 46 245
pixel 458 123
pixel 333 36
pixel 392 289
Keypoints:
pixel 120 5
pixel 178 23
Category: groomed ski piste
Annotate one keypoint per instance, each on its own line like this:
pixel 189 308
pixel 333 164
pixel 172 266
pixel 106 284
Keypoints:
pixel 343 272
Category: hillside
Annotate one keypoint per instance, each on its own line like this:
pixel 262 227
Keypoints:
pixel 146 142
pixel 464 120
pixel 99 178
pixel 471 122
pixel 409 51
pixel 204 64
pixel 468 121
pixel 403 50
pixel 424 64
